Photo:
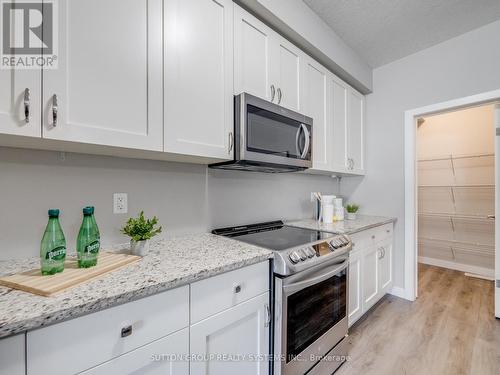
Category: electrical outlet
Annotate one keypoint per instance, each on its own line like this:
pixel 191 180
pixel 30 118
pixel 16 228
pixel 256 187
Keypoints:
pixel 120 203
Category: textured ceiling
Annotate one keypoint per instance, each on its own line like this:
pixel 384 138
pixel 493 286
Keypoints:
pixel 382 31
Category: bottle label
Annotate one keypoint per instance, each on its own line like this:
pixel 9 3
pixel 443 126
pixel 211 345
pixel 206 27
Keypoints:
pixel 59 253
pixel 93 247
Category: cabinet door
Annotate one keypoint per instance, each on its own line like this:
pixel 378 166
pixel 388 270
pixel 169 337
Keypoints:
pixel 286 67
pixel 239 332
pixel 355 130
pixel 13 355
pixel 385 267
pixel 198 57
pixel 316 100
pixel 355 287
pixel 107 89
pixel 370 277
pixel 16 86
pixel 166 356
pixel 338 144
pixel 252 56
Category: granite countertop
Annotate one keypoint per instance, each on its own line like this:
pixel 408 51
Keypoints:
pixel 362 222
pixel 169 264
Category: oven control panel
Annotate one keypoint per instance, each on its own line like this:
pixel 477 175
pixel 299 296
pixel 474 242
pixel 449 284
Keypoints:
pixel 332 245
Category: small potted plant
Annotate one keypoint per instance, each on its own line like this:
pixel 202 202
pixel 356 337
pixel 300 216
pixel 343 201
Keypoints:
pixel 351 209
pixel 140 231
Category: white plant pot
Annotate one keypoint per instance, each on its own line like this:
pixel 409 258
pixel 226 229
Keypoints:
pixel 139 248
pixel 351 216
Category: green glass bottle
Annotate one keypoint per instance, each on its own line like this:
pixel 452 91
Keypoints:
pixel 88 241
pixel 53 246
pixel 94 223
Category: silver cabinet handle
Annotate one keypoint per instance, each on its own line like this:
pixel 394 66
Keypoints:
pixel 273 92
pixel 126 331
pixel 268 316
pixel 384 252
pixel 231 142
pixel 280 95
pixel 54 110
pixel 380 256
pixel 27 105
pixel 491 216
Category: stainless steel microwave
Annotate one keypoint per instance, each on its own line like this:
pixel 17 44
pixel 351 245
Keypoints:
pixel 268 137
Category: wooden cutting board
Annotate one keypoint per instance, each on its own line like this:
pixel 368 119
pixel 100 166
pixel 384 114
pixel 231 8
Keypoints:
pixel 34 282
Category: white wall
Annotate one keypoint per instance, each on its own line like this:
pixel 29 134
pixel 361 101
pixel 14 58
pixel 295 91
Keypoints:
pixel 186 197
pixel 462 66
pixel 463 132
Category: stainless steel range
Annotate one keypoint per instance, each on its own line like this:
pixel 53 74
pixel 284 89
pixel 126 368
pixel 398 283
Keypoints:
pixel 310 294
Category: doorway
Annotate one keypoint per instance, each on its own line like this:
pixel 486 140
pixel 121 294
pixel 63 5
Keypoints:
pixel 456 190
pixel 411 183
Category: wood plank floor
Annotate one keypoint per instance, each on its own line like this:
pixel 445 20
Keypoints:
pixel 449 329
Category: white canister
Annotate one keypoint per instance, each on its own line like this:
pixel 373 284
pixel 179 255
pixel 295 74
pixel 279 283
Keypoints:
pixel 327 208
pixel 338 209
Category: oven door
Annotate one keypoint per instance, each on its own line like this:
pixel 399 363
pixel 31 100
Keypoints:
pixel 268 133
pixel 313 312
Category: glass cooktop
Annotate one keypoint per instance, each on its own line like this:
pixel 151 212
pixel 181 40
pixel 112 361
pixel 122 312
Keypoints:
pixel 273 235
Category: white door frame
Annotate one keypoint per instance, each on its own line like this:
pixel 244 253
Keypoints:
pixel 410 134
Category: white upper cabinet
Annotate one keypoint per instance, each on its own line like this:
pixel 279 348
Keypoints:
pixel 252 56
pixel 338 105
pixel 316 100
pixel 107 89
pixel 355 131
pixel 286 62
pixel 198 77
pixel 266 64
pixel 20 101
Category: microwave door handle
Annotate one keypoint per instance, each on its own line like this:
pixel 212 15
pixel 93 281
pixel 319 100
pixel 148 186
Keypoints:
pixel 306 147
pixel 297 144
pixel 295 287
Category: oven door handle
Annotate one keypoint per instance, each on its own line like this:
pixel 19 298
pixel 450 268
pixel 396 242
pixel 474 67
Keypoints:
pixel 295 287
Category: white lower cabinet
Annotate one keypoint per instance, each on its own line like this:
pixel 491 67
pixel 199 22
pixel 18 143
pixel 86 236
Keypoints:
pixel 235 341
pixel 155 335
pixel 166 356
pixel 13 355
pixel 79 344
pixel 370 269
pixel 370 277
pixel 385 266
pixel 355 290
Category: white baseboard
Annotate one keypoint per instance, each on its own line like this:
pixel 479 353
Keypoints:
pixel 481 271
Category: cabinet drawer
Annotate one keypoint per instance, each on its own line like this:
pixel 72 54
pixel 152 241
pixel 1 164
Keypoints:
pixel 383 232
pixel 218 293
pixel 166 356
pixel 78 344
pixel 371 236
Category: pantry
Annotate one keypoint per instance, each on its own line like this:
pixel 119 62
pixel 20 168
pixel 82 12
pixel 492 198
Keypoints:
pixel 456 190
